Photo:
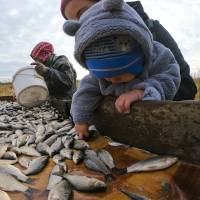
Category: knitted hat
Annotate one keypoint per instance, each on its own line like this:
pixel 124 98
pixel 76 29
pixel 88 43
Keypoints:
pixel 114 55
pixel 42 51
pixel 106 18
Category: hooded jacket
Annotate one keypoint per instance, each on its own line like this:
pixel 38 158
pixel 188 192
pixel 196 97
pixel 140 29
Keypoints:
pixel 160 78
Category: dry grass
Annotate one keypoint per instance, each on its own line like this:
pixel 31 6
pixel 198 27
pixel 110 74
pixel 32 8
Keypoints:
pixel 6 89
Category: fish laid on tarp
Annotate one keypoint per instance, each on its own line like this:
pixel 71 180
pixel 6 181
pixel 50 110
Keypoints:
pixel 10 184
pixel 151 164
pixel 29 151
pixel 78 156
pixel 24 161
pixel 10 162
pixel 61 191
pixel 14 171
pixel 93 162
pixel 9 155
pixel 85 183
pixel 3 149
pixel 36 165
pixel 4 196
pixel 133 195
pixel 107 159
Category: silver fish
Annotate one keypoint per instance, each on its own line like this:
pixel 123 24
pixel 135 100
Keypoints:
pixel 56 146
pixel 51 140
pixel 24 161
pixel 61 191
pixel 43 148
pixel 12 170
pixel 3 149
pixel 67 153
pixel 80 145
pixel 78 156
pixel 29 151
pixel 133 195
pixel 4 196
pixel 36 165
pixel 58 158
pixel 31 139
pixel 54 179
pixel 11 162
pixel 9 183
pixel 152 164
pixel 10 155
pixel 106 157
pixel 85 184
pixel 68 143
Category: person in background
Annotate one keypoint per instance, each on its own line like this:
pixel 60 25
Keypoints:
pixel 123 60
pixel 73 9
pixel 58 74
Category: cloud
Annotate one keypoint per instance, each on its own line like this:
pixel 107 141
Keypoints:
pixel 24 23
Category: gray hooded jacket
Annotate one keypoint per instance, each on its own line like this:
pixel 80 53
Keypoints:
pixel 160 78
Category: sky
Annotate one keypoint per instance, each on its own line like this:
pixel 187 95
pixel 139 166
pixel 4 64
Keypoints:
pixel 24 23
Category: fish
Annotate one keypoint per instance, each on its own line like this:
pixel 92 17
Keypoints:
pixel 67 153
pixel 85 183
pixel 68 143
pixel 56 146
pixel 36 165
pixel 10 155
pixel 152 164
pixel 78 156
pixel 14 171
pixel 51 140
pixel 43 148
pixel 29 151
pixel 133 195
pixel 4 196
pixel 61 191
pixel 10 162
pixel 3 149
pixel 24 161
pixel 54 179
pixel 80 145
pixel 10 184
pixel 93 162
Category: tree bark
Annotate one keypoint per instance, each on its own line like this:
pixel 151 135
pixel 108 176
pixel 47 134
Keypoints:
pixel 168 127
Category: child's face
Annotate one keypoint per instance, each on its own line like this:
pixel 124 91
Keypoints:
pixel 124 78
pixel 75 8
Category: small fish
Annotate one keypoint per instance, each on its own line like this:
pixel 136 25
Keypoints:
pixel 29 151
pixel 85 184
pixel 10 184
pixel 12 170
pixel 4 196
pixel 31 139
pixel 51 140
pixel 80 145
pixel 68 143
pixel 36 165
pixel 67 153
pixel 56 146
pixel 10 155
pixel 133 195
pixel 152 164
pixel 61 191
pixel 10 162
pixel 54 179
pixel 58 158
pixel 78 156
pixel 43 148
pixel 24 161
pixel 3 149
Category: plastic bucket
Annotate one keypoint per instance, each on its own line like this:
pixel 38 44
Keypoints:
pixel 29 87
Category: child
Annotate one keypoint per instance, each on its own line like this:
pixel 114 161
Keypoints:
pixel 117 48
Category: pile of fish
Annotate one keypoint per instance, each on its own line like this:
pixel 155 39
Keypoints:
pixel 30 137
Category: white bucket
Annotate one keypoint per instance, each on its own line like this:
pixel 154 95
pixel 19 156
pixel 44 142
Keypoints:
pixel 29 87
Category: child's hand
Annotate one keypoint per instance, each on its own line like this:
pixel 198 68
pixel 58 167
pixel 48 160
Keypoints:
pixel 124 101
pixel 82 130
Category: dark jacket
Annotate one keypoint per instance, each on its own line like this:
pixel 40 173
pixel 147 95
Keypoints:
pixel 60 78
pixel 187 89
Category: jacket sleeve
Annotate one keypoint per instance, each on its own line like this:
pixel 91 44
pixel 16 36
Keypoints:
pixel 85 100
pixel 164 75
pixel 61 74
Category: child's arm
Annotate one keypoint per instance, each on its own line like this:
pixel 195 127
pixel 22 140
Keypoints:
pixel 124 101
pixel 85 100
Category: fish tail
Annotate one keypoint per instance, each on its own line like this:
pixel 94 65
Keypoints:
pixel 119 171
pixel 29 193
pixel 30 180
pixel 109 177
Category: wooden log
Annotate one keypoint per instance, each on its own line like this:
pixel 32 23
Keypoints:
pixel 161 127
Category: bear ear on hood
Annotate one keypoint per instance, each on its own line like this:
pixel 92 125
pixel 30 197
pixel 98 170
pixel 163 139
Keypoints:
pixel 70 27
pixel 110 5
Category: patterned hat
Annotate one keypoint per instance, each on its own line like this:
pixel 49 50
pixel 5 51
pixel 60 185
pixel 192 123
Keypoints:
pixel 114 55
pixel 42 51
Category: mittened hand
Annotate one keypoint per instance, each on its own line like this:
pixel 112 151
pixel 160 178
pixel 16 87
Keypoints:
pixel 124 101
pixel 82 130
pixel 40 68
